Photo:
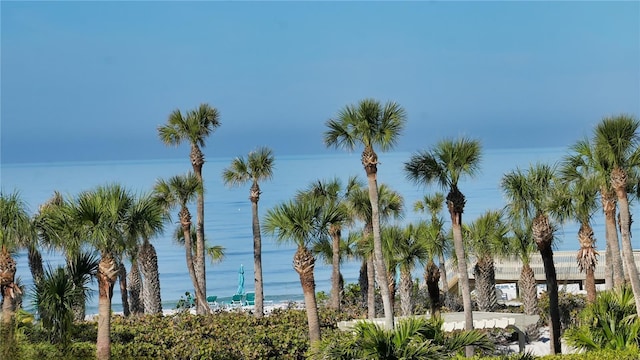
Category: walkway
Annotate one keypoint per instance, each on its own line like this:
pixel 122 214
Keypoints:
pixel 508 270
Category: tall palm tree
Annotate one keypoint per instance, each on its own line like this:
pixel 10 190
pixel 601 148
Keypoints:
pixel 100 215
pixel 390 206
pixel 146 221
pixel 257 167
pixel 439 244
pixel 300 223
pixel 487 239
pixel 446 164
pixel 194 127
pixel 585 158
pixel 372 125
pixel 531 196
pixel 582 193
pixel 330 193
pixel 616 140
pixel 15 224
pixel 177 192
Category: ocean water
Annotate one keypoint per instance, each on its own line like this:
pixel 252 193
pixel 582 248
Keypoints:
pixel 228 211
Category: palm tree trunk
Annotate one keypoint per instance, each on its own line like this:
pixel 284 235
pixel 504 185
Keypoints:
pixel 134 287
pixel 197 160
pixel 543 236
pixel 406 287
pixel 431 277
pixel 611 232
pixel 371 288
pixel 608 266
pixel 552 290
pixel 391 280
pixel 7 306
pixel 35 264
pixel 304 264
pixel 443 273
pixel 587 259
pixel 528 290
pixel 148 261
pixel 363 282
pixel 122 276
pixel 378 257
pixel 335 268
pixel 200 296
pixel 7 285
pixel 618 176
pixel 257 257
pixel 107 275
pixel 463 276
pixel 485 276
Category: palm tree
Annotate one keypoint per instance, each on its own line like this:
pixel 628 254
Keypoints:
pixel 100 215
pixel 146 221
pixel 439 244
pixel 300 223
pixel 178 191
pixel 487 239
pixel 330 194
pixel 55 295
pixel 15 225
pixel 531 196
pixel 446 164
pixel 582 204
pixel 35 258
pixel 616 140
pixel 390 206
pixel 194 127
pixel 370 124
pixel 391 238
pixel 257 167
pixel 59 230
pixel 411 250
pixel 586 159
pixel 521 245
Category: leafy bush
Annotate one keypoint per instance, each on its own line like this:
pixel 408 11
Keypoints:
pixel 412 338
pixel 570 306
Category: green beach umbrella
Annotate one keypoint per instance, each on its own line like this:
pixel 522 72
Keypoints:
pixel 241 280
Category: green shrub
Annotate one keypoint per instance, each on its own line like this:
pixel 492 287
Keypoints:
pixel 570 306
pixel 608 323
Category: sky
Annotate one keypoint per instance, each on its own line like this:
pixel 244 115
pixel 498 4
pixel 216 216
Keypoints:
pixel 90 81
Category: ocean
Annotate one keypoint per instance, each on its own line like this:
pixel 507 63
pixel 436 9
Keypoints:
pixel 228 211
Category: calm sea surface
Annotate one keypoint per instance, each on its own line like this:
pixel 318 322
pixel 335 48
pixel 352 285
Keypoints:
pixel 228 211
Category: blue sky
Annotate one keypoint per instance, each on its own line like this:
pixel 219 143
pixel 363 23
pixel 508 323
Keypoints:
pixel 93 80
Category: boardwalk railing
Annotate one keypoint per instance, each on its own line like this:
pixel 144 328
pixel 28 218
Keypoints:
pixel 508 270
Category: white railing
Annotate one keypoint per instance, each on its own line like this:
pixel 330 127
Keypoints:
pixel 509 269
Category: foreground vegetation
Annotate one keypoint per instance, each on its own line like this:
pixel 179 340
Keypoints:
pixel 606 329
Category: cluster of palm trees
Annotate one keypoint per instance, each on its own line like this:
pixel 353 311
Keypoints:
pixel 119 225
